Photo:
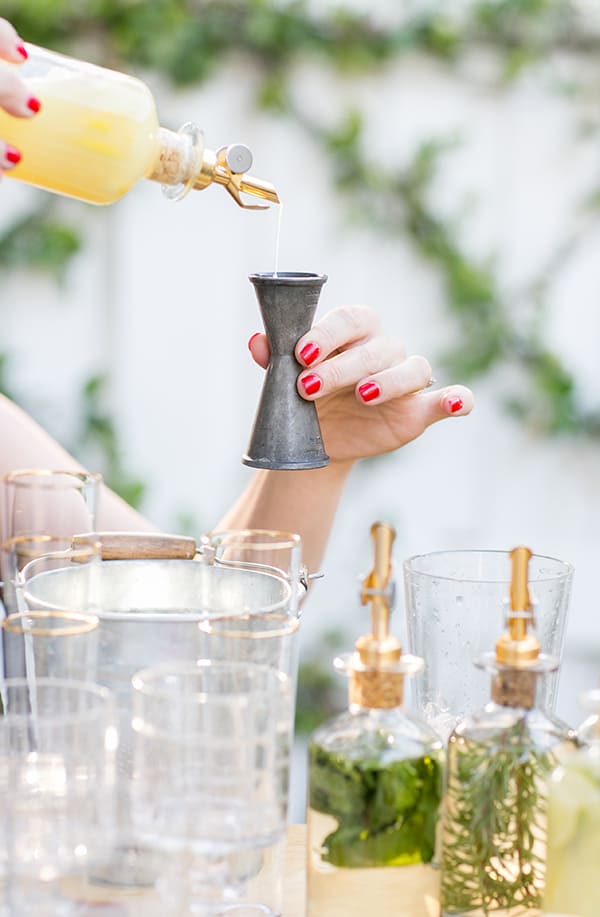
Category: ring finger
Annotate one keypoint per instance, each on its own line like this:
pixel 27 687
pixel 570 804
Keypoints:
pixel 352 367
pixel 406 378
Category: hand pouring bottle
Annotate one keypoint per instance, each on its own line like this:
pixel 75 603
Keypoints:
pixel 97 133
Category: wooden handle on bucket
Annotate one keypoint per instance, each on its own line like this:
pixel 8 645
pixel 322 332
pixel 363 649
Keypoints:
pixel 144 546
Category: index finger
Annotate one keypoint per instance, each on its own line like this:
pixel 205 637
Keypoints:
pixel 12 48
pixel 341 328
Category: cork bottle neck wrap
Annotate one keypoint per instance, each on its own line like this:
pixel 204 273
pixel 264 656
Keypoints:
pixel 376 678
pixel 379 685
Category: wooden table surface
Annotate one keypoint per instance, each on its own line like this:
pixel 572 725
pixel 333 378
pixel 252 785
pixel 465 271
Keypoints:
pixel 294 889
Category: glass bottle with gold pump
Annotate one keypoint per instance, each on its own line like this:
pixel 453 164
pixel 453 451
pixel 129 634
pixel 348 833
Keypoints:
pixel 98 133
pixel 573 864
pixel 375 779
pixel 499 761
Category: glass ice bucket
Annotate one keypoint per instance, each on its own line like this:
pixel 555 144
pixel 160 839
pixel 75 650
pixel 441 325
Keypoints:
pixel 150 611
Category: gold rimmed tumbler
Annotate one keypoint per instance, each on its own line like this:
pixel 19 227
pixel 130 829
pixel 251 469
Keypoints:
pixel 262 550
pixel 50 633
pixel 58 741
pixel 40 501
pixel 51 644
pixel 210 782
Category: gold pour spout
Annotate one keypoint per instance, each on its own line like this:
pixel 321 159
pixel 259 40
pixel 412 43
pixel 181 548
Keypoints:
pixel 229 167
pixel 378 647
pixel 517 647
pixel 184 163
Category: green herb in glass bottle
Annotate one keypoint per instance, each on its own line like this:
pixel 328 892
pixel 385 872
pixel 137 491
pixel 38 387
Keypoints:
pixel 375 780
pixel 499 761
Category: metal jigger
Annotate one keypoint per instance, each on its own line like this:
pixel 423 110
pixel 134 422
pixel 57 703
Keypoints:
pixel 286 435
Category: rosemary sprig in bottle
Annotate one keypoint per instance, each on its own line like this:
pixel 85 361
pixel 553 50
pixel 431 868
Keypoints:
pixel 495 823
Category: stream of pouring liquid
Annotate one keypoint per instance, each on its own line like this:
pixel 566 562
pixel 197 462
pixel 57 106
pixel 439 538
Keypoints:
pixel 277 237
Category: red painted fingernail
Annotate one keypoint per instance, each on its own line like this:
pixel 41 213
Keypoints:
pixel 22 51
pixel 309 353
pixel 34 104
pixel 455 404
pixel 252 338
pixel 368 391
pixel 311 384
pixel 12 154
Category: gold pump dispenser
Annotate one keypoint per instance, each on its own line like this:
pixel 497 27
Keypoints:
pixel 517 650
pixel 377 667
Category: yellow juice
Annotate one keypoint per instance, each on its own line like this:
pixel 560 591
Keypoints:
pixel 96 135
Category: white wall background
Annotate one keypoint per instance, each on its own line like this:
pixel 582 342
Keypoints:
pixel 160 296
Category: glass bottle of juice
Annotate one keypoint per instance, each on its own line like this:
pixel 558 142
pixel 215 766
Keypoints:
pixel 375 781
pixel 499 761
pixel 573 864
pixel 98 133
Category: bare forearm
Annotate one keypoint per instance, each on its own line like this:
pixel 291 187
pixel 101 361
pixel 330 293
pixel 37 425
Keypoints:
pixel 294 501
pixel 26 445
pixel 303 502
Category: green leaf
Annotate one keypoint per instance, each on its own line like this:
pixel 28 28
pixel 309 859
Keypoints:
pixel 386 811
pixel 39 241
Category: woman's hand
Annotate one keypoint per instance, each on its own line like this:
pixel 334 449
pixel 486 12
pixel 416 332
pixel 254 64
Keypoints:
pixel 370 395
pixel 15 98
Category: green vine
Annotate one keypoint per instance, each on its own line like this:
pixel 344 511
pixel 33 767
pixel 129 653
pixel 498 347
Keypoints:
pixel 99 432
pixel 39 241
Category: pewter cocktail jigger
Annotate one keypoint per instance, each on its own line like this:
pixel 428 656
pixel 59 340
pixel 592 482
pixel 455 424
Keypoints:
pixel 286 433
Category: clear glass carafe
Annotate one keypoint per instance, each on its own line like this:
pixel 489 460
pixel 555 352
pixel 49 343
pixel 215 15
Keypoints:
pixel 573 864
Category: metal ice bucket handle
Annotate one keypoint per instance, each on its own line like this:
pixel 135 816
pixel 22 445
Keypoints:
pixel 160 546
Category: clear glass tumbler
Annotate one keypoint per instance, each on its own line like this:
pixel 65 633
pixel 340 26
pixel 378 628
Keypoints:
pixel 263 639
pixel 42 501
pixel 29 560
pixel 211 751
pixel 51 644
pixel 455 603
pixel 263 550
pixel 58 741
